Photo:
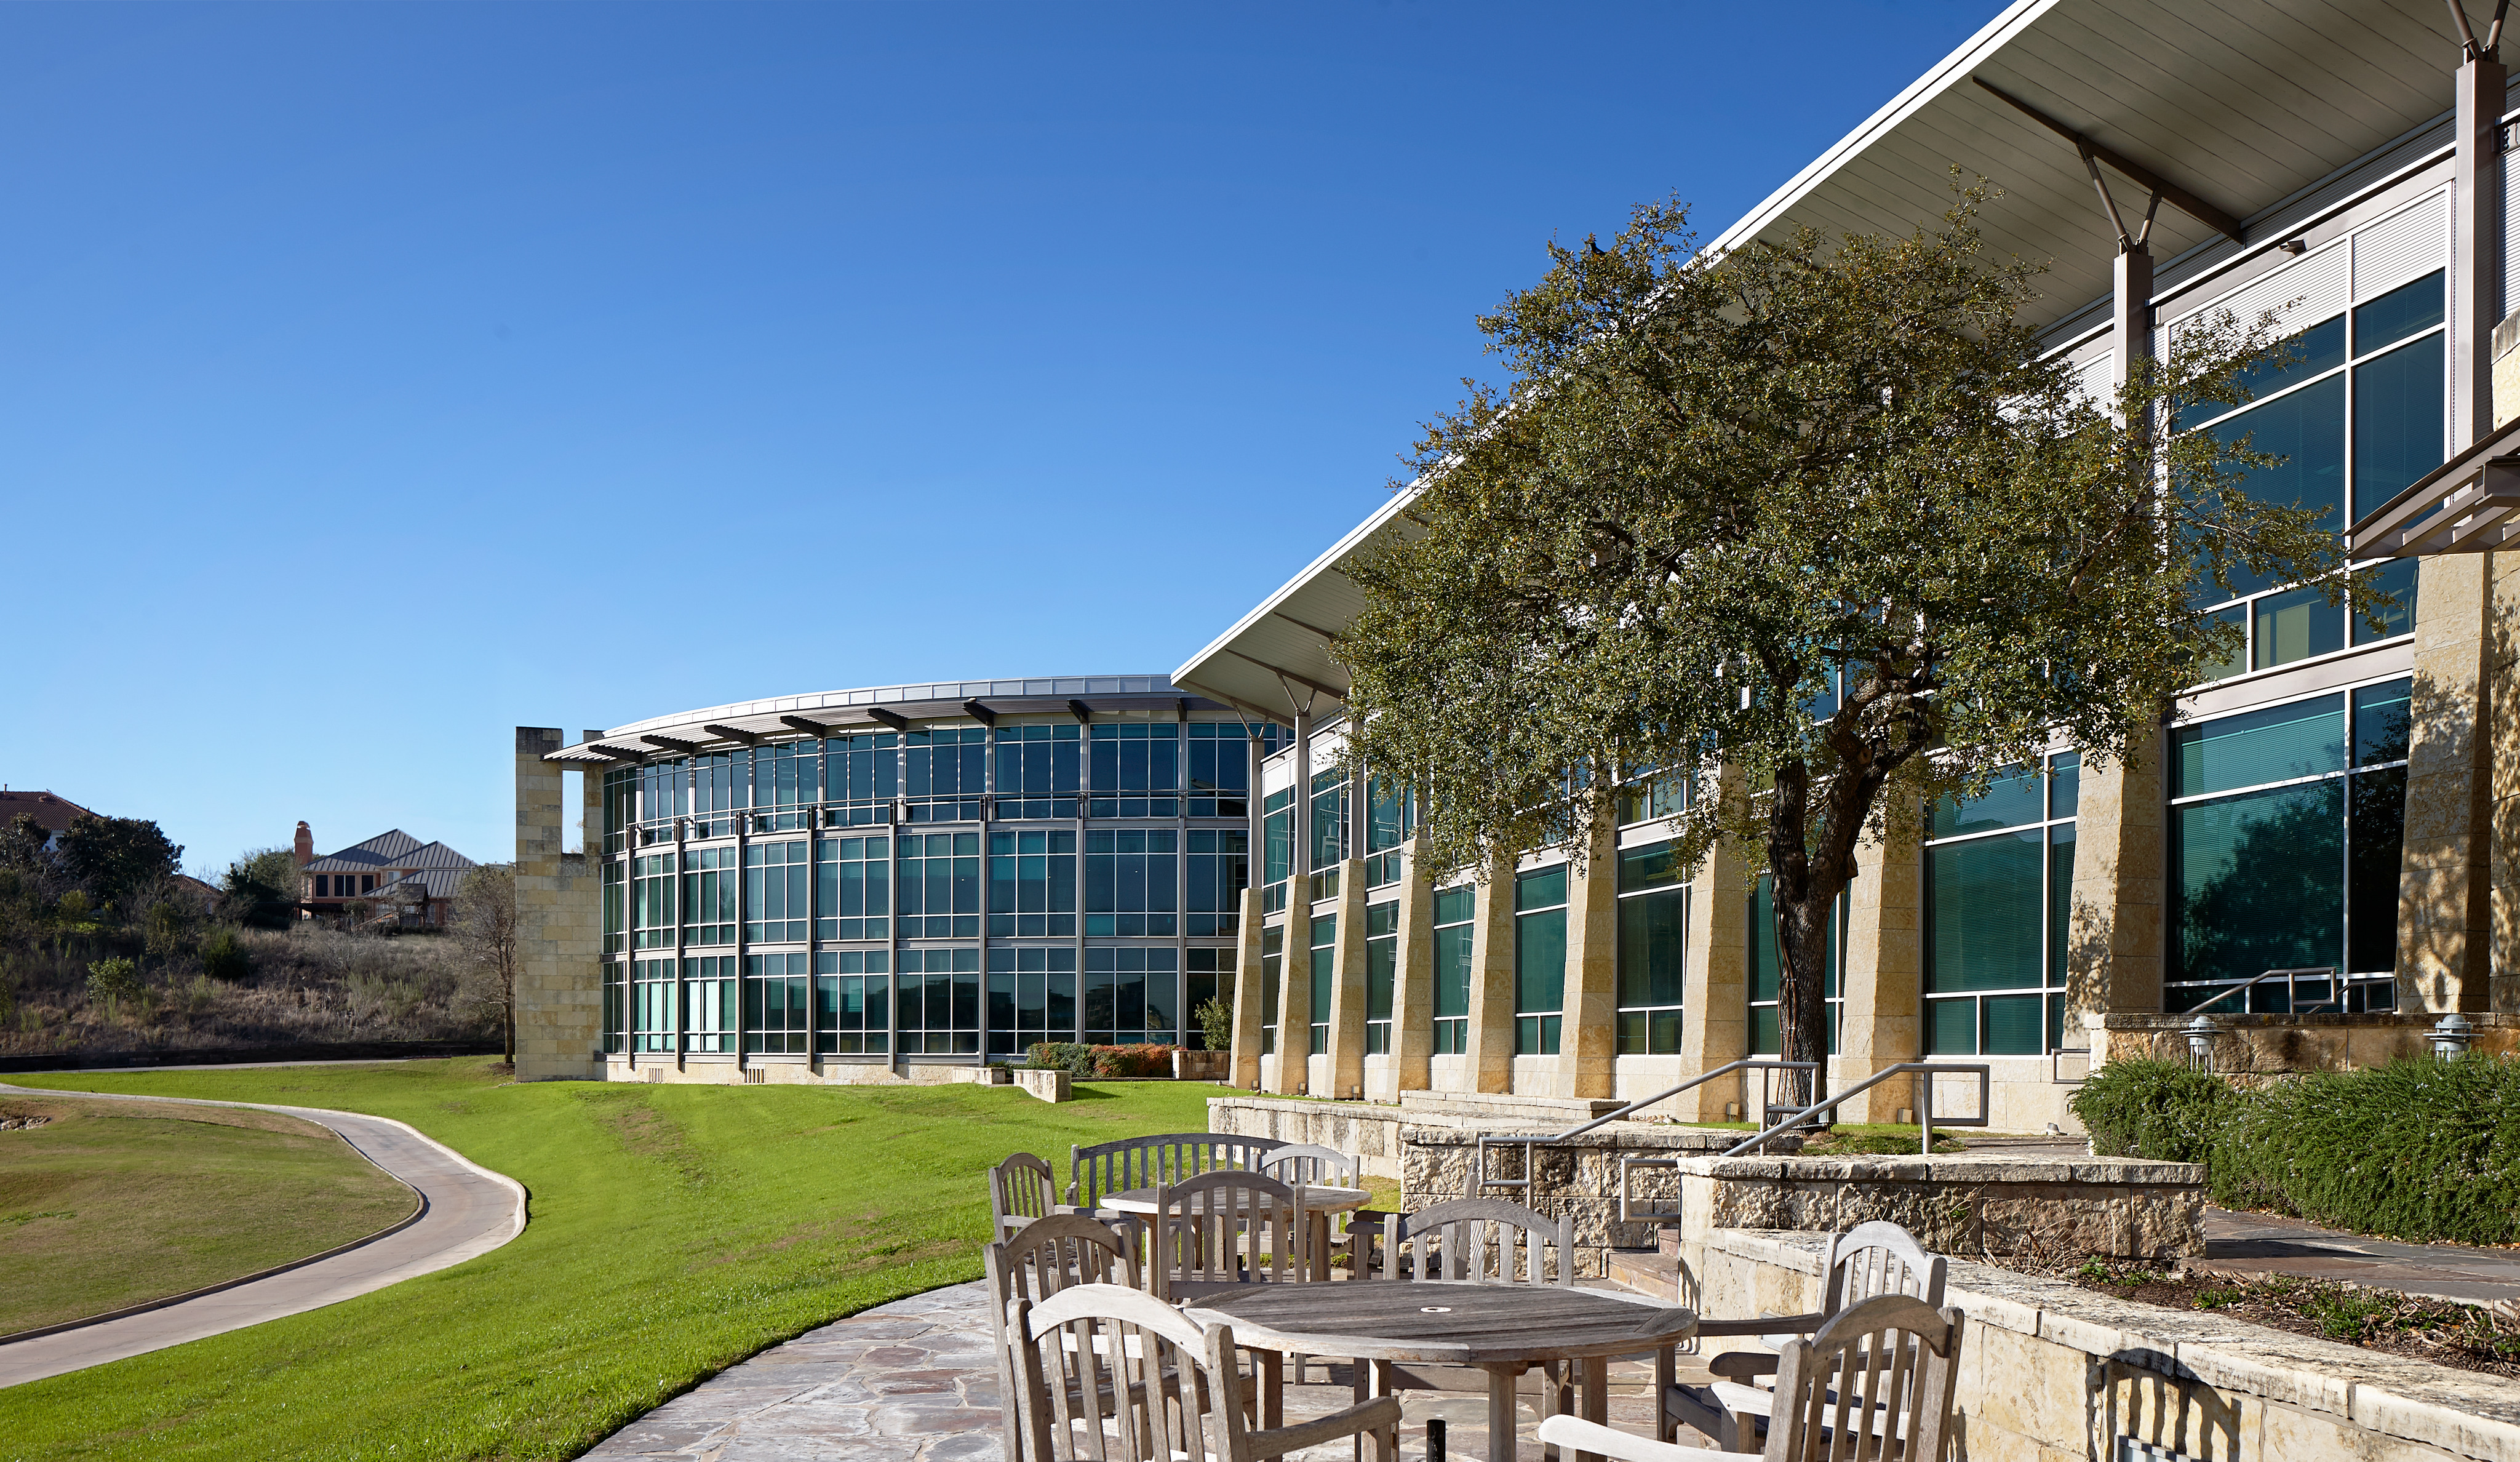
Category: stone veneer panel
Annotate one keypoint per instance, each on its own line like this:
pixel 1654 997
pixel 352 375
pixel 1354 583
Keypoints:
pixel 1884 965
pixel 1959 1205
pixel 560 987
pixel 2444 895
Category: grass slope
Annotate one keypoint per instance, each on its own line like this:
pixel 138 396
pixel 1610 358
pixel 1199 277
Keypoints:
pixel 113 1203
pixel 675 1230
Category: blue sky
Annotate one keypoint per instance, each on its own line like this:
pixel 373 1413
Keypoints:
pixel 376 378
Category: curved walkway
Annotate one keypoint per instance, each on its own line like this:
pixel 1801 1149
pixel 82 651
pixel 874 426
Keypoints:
pixel 467 1210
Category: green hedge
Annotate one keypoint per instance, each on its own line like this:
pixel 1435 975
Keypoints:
pixel 1084 1061
pixel 2423 1150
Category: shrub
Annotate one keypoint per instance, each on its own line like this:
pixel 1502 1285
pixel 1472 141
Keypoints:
pixel 1216 1019
pixel 115 979
pixel 225 957
pixel 1067 1056
pixel 2153 1109
pixel 1083 1061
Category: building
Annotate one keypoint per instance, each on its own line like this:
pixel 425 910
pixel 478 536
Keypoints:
pixel 395 875
pixel 2332 801
pixel 896 883
pixel 51 812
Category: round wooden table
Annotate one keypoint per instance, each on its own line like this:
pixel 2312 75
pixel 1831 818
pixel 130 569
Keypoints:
pixel 1318 1200
pixel 1503 1329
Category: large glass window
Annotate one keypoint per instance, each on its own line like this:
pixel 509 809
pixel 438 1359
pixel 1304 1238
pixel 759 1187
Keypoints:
pixel 1135 769
pixel 1037 770
pixel 1330 821
pixel 652 1005
pixel 664 794
pixel 854 884
pixel 710 891
pixel 1455 911
pixel 1220 866
pixel 1654 798
pixel 1653 947
pixel 1999 907
pixel 1767 980
pixel 1132 881
pixel 1273 959
pixel 944 773
pixel 616 1006
pixel 1277 844
pixel 2356 421
pixel 1325 980
pixel 1032 884
pixel 616 907
pixel 1032 998
pixel 774 893
pixel 1381 974
pixel 778 992
pixel 621 808
pixel 1539 960
pixel 1220 769
pixel 2286 826
pixel 937 1009
pixel 1132 996
pixel 861 777
pixel 1207 975
pixel 940 886
pixel 853 1002
pixel 785 784
pixel 1391 818
pixel 710 1001
pixel 720 788
pixel 652 901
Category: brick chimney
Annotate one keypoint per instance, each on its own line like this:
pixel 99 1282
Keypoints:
pixel 305 845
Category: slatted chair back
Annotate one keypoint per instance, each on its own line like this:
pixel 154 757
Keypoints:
pixel 1303 1163
pixel 1104 1374
pixel 1058 1252
pixel 1479 1238
pixel 1875 1383
pixel 1225 1228
pixel 1877 1258
pixel 1021 1189
pixel 1108 1168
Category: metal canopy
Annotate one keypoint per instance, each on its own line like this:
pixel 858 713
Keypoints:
pixel 2465 505
pixel 2242 105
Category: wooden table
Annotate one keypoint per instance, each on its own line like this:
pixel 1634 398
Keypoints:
pixel 1319 1201
pixel 1503 1329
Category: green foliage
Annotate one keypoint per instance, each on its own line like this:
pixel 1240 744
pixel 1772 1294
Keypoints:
pixel 260 890
pixel 21 845
pixel 1216 1021
pixel 1072 1057
pixel 114 857
pixel 2153 1109
pixel 2424 1150
pixel 1716 488
pixel 74 906
pixel 224 956
pixel 1079 1059
pixel 112 980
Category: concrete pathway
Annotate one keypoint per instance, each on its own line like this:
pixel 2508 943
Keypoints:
pixel 468 1211
pixel 2264 1244
pixel 917 1381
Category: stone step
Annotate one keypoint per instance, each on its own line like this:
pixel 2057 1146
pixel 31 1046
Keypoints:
pixel 1646 1272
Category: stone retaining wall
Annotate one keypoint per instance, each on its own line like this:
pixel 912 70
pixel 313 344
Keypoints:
pixel 2052 1372
pixel 1369 1133
pixel 1579 1177
pixel 1956 1206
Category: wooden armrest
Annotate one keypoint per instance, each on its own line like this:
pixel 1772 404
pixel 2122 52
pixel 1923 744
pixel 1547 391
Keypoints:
pixel 1370 1416
pixel 1568 1433
pixel 1764 1325
pixel 1741 1365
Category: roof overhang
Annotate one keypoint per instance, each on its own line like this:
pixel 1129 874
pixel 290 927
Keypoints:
pixel 2470 504
pixel 724 728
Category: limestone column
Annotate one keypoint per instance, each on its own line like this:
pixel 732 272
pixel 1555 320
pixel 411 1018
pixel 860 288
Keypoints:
pixel 1588 1040
pixel 1491 1023
pixel 1246 995
pixel 1347 984
pixel 1715 995
pixel 1412 977
pixel 2115 949
pixel 1882 979
pixel 2502 656
pixel 559 983
pixel 1295 991
pixel 2444 883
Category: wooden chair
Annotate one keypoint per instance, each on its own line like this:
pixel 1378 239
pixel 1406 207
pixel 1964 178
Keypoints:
pixel 1143 1162
pixel 1867 1262
pixel 1151 1385
pixel 1301 1163
pixel 1047 1256
pixel 1220 1229
pixel 1473 1239
pixel 1875 1383
pixel 1021 1189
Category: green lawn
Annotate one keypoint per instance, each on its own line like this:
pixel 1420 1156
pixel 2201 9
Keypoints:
pixel 675 1230
pixel 113 1203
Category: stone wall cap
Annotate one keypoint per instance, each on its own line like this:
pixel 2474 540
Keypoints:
pixel 1887 1168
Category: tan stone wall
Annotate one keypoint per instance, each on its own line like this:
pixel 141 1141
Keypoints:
pixel 2270 1045
pixel 1491 1058
pixel 1246 995
pixel 1957 1206
pixel 1715 1019
pixel 2444 890
pixel 2050 1372
pixel 1369 1133
pixel 2114 954
pixel 1287 1073
pixel 1885 957
pixel 1588 1040
pixel 560 987
pixel 1343 1074
pixel 1413 989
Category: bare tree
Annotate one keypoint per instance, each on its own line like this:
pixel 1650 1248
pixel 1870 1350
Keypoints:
pixel 484 924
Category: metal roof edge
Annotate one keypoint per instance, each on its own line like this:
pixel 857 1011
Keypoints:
pixel 1329 559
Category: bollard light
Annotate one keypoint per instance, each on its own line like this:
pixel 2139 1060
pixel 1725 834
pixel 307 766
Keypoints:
pixel 2201 1034
pixel 2452 1034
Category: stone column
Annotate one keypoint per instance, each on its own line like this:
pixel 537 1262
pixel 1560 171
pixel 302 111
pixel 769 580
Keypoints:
pixel 2444 884
pixel 1588 1040
pixel 559 982
pixel 1492 979
pixel 1295 991
pixel 1347 984
pixel 2502 659
pixel 1882 976
pixel 2113 959
pixel 1413 979
pixel 1246 996
pixel 1714 994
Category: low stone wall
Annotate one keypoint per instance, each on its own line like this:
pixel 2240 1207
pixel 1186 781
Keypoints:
pixel 1579 1177
pixel 1365 1131
pixel 1050 1084
pixel 726 1071
pixel 1202 1066
pixel 2050 1372
pixel 1956 1206
pixel 2275 1044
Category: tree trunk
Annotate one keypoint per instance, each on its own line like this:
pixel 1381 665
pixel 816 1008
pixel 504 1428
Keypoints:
pixel 1802 987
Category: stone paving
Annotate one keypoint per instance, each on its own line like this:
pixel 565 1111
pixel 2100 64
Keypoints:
pixel 916 1381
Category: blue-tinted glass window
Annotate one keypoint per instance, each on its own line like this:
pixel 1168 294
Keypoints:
pixel 1453 924
pixel 1539 960
pixel 1219 868
pixel 2398 416
pixel 938 897
pixel 2296 624
pixel 854 885
pixel 2303 739
pixel 1032 998
pixel 1132 996
pixel 1032 884
pixel 2397 314
pixel 937 1001
pixel 1132 881
pixel 853 1002
pixel 1135 768
pixel 2397 578
pixel 2319 348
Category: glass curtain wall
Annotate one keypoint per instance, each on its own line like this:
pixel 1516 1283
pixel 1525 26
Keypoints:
pixel 853 881
pixel 1455 913
pixel 852 1002
pixel 1278 844
pixel 1207 975
pixel 1999 914
pixel 1653 946
pixel 1135 769
pixel 1220 770
pixel 653 989
pixel 1391 818
pixel 1132 996
pixel 1382 973
pixel 711 1004
pixel 1329 835
pixel 652 901
pixel 940 886
pixel 1539 960
pixel 1325 980
pixel 1272 960
pixel 711 891
pixel 1032 998
pixel 774 893
pixel 1130 881
pixel 1219 868
pixel 1038 770
pixel 937 1005
pixel 776 992
pixel 1032 884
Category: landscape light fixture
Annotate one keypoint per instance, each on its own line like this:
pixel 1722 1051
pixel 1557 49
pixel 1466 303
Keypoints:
pixel 2452 1034
pixel 2201 1034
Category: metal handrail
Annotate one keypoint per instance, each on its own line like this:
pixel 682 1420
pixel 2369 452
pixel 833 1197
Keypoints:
pixel 1924 1105
pixel 2293 989
pixel 1479 1169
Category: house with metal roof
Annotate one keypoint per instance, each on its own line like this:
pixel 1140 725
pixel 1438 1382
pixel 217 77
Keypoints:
pixel 393 874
